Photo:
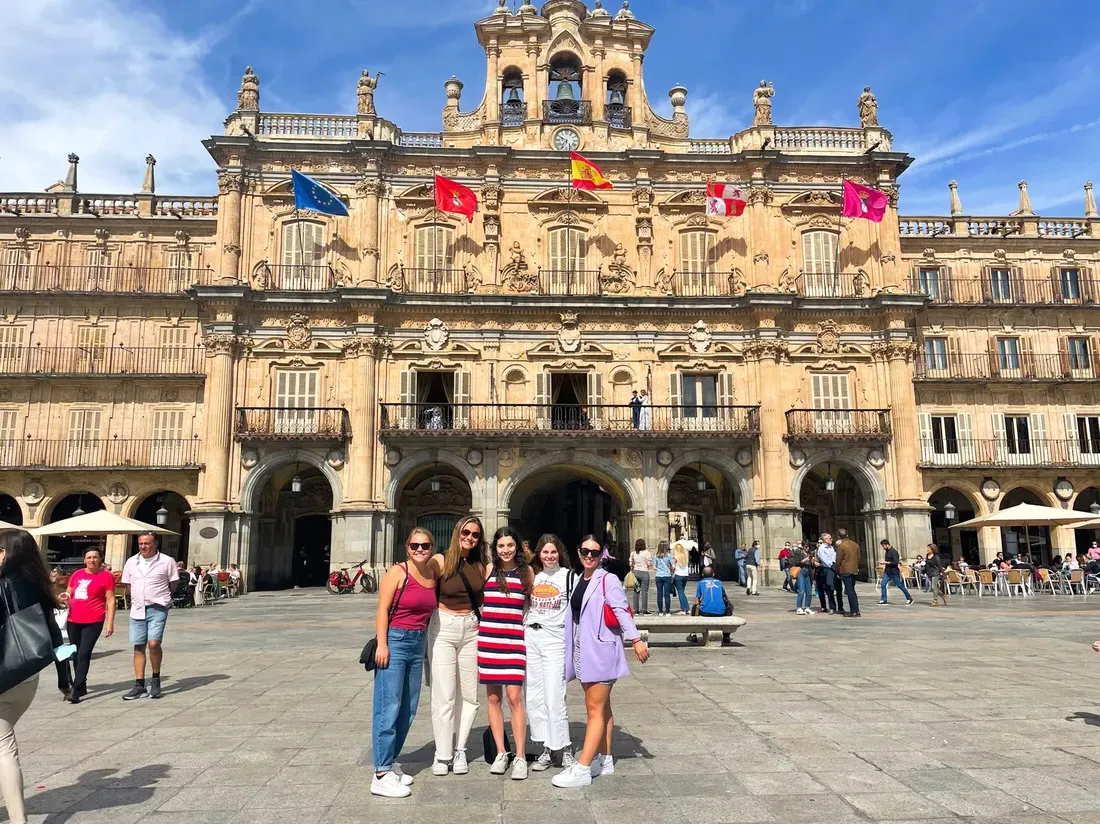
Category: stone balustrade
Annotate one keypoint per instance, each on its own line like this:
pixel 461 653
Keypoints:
pixel 320 126
pixel 420 140
pixel 820 139
pixel 29 204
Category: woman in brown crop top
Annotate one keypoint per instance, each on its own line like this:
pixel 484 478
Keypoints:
pixel 452 644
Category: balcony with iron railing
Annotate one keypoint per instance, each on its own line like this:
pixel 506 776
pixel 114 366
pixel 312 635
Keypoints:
pixel 952 453
pixel 705 284
pixel 513 113
pixel 1078 290
pixel 839 425
pixel 617 116
pixel 572 112
pixel 832 285
pixel 86 361
pixel 132 280
pixel 100 453
pixel 434 281
pixel 284 423
pixel 297 277
pixel 569 283
pixel 993 366
pixel 572 420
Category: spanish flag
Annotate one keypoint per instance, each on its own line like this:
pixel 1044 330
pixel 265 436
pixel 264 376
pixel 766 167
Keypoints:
pixel 586 174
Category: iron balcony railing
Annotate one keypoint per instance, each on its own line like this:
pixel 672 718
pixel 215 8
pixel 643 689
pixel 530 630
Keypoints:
pixel 118 279
pixel 992 366
pixel 704 284
pixel 576 112
pixel 1007 290
pixel 993 454
pixel 280 423
pixel 100 453
pixel 435 281
pixel 513 113
pixel 576 282
pixel 100 360
pixel 429 419
pixel 838 424
pixel 832 285
pixel 295 277
pixel 617 116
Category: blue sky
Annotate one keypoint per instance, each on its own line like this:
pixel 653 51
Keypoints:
pixel 987 92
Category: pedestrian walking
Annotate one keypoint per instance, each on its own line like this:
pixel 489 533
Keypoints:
pixel 694 559
pixel 826 573
pixel 91 612
pixel 681 571
pixel 150 578
pixel 24 584
pixel 452 644
pixel 406 602
pixel 752 569
pixel 594 641
pixel 641 564
pixel 662 571
pixel 708 557
pixel 847 568
pixel 544 635
pixel 933 568
pixel 785 565
pixel 501 652
pixel 801 574
pixel 892 572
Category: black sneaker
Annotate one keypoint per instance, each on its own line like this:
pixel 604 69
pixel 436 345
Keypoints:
pixel 154 687
pixel 909 602
pixel 136 691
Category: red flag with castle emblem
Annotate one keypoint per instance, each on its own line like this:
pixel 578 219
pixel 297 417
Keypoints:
pixel 454 197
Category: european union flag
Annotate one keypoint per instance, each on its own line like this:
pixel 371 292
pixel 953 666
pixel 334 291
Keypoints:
pixel 313 197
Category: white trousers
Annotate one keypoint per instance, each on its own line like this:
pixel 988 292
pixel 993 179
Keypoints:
pixel 546 711
pixel 751 574
pixel 13 704
pixel 452 652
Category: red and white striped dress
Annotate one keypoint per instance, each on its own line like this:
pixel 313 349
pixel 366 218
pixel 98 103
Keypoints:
pixel 501 652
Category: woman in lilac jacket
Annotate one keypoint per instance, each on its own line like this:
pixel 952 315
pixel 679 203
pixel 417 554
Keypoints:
pixel 594 656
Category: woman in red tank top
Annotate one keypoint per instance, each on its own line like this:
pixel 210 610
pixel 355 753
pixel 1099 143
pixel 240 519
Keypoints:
pixel 406 600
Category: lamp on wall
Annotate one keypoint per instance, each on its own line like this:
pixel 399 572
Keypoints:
pixel 1094 508
pixel 830 481
pixel 162 513
pixel 79 508
pixel 949 511
pixel 701 484
pixel 296 481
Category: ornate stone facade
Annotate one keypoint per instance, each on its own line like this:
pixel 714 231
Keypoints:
pixel 400 366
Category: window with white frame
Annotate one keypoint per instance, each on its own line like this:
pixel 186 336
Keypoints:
pixel 1018 434
pixel 935 353
pixel 1070 282
pixel 567 249
pixel 929 282
pixel 1008 353
pixel 304 255
pixel 831 396
pixel 1088 434
pixel 1000 285
pixel 700 396
pixel 435 247
pixel 819 252
pixel 945 436
pixel 1078 350
pixel 295 398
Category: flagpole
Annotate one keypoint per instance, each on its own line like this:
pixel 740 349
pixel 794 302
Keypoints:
pixel 839 231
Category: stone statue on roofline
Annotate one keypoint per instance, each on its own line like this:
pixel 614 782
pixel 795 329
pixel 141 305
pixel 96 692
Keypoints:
pixel 365 92
pixel 248 97
pixel 868 108
pixel 762 103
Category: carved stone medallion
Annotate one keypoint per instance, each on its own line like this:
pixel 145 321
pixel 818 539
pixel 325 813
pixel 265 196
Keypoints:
pixel 436 335
pixel 699 337
pixel 33 493
pixel 569 334
pixel 118 493
pixel 298 334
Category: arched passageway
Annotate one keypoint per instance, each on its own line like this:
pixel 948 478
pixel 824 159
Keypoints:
pixel 951 506
pixel 68 553
pixel 702 504
pixel 169 510
pixel 832 499
pixel 434 497
pixel 1088 502
pixel 10 510
pixel 293 529
pixel 1033 541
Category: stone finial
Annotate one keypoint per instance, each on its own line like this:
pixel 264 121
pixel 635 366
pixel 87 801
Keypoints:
pixel 625 13
pixel 454 90
pixel 527 8
pixel 678 95
pixel 1090 201
pixel 1025 200
pixel 248 96
pixel 70 176
pixel 956 204
pixel 149 183
pixel 502 8
pixel 868 108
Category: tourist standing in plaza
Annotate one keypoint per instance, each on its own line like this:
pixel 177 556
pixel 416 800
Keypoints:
pixel 739 560
pixel 933 568
pixel 785 565
pixel 544 634
pixel 680 572
pixel 662 570
pixel 452 644
pixel 892 572
pixel 641 564
pixel 752 569
pixel 595 658
pixel 91 612
pixel 24 583
pixel 150 578
pixel 708 557
pixel 801 568
pixel 406 602
pixel 826 573
pixel 501 651
pixel 847 567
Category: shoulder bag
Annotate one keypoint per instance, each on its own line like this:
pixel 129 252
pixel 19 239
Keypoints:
pixel 28 640
pixel 610 619
pixel 366 657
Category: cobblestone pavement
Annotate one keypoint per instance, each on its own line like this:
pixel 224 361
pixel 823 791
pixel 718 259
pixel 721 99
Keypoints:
pixel 987 711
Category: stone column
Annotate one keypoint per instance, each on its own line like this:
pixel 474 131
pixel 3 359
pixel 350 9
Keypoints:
pixel 899 353
pixel 369 189
pixel 361 448
pixel 492 84
pixel 230 187
pixel 218 417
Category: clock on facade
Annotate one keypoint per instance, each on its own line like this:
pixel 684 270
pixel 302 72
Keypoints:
pixel 990 488
pixel 566 140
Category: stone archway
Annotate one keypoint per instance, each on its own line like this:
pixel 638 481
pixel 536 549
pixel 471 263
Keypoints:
pixel 1033 541
pixel 954 544
pixel 1088 502
pixel 434 498
pixel 175 508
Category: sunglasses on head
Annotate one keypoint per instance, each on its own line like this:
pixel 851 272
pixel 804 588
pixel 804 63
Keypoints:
pixel 414 545
pixel 589 553
pixel 466 533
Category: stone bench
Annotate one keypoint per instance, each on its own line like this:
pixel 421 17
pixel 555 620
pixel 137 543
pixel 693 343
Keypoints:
pixel 709 630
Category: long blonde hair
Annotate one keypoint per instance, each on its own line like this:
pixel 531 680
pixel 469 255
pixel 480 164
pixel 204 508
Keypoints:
pixel 454 550
pixel 680 554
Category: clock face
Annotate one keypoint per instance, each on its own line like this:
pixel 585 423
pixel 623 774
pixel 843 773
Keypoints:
pixel 566 140
pixel 991 489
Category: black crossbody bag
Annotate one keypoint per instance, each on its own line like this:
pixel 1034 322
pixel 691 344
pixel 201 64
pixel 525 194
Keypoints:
pixel 366 657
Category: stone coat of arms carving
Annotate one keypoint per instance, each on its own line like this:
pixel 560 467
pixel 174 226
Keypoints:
pixel 436 335
pixel 569 335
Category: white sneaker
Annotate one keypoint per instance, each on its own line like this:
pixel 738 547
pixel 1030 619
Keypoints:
pixel 439 768
pixel 800 611
pixel 500 763
pixel 596 768
pixel 576 776
pixel 544 761
pixel 460 766
pixel 808 611
pixel 567 758
pixel 519 769
pixel 406 780
pixel 608 766
pixel 389 786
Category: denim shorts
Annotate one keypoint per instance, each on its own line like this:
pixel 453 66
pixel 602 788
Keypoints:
pixel 149 628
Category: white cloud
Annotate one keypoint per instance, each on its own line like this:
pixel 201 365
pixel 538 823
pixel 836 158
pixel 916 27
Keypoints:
pixel 711 116
pixel 110 82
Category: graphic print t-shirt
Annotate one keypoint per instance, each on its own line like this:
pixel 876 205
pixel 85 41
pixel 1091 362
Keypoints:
pixel 88 604
pixel 548 599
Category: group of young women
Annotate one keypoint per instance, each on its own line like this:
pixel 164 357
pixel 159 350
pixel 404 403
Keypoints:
pixel 511 620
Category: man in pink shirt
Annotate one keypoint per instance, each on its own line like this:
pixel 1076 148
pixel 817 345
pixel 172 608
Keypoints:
pixel 149 578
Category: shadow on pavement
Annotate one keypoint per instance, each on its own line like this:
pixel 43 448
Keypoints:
pixel 169 686
pixel 1090 718
pixel 142 779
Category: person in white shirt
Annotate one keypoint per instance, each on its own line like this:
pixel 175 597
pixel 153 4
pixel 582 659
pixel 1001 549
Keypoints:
pixel 826 572
pixel 544 634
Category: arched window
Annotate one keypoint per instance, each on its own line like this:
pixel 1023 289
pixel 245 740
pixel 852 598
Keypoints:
pixel 819 264
pixel 698 252
pixel 304 256
pixel 515 387
pixel 616 112
pixel 513 108
pixel 564 97
pixel 435 248
pixel 568 249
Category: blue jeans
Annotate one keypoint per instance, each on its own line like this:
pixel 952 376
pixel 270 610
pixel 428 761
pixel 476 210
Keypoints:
pixel 741 577
pixel 894 575
pixel 805 584
pixel 664 594
pixel 681 591
pixel 396 694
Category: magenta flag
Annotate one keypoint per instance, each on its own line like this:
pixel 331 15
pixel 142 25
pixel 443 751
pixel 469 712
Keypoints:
pixel 864 202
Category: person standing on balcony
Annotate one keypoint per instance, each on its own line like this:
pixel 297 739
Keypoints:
pixel 641 564
pixel 150 578
pixel 636 409
pixel 645 422
pixel 452 644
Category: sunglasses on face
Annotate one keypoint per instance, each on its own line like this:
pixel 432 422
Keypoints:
pixel 415 545
pixel 468 534
pixel 589 553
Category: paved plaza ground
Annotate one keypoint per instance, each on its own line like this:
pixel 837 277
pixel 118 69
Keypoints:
pixel 987 711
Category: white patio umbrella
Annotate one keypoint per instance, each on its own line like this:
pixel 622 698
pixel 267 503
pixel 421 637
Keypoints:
pixel 1025 515
pixel 101 522
pixel 5 526
pixel 1091 523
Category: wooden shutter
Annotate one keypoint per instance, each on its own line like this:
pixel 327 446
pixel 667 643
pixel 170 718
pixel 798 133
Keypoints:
pixel 947 294
pixel 675 396
pixel 725 396
pixel 167 437
pixel 964 430
pixel 295 391
pixel 542 399
pixel 292 248
pixel 84 437
pixel 1000 442
pixel 994 361
pixel 1089 290
pixel 435 247
pixel 955 365
pixel 987 285
pixel 927 448
pixel 557 250
pixel 1073 442
pixel 9 444
pixel 1027 358
pixel 407 398
pixel 92 341
pixel 11 348
pixel 1019 292
pixel 1063 357
pixel 819 252
pixel 596 412
pixel 463 383
pixel 1040 448
pixel 1056 285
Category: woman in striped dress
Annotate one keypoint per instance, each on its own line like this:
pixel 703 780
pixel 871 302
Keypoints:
pixel 501 652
